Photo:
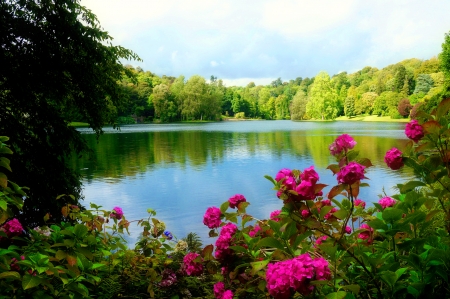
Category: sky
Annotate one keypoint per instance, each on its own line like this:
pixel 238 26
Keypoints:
pixel 242 41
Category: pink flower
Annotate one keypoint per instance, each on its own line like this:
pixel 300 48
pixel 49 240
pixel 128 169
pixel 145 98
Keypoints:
pixel 212 217
pixel 326 202
pixel 254 231
pixel 342 143
pixel 330 215
pixel 286 175
pixel 414 131
pixel 224 240
pixel 283 173
pixel 305 213
pixel 306 190
pixel 321 239
pixel 348 230
pixel 227 295
pixel 235 200
pixel 367 234
pixel 309 174
pixel 116 213
pixel 219 289
pixel 191 266
pixel 274 215
pixel 351 173
pixel 287 277
pixel 359 203
pixel 386 202
pixel 12 228
pixel 393 158
pixel 168 278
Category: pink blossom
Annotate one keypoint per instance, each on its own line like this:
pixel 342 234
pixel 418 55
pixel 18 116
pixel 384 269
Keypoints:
pixel 191 266
pixel 342 143
pixel 309 174
pixel 306 190
pixel 329 215
pixel 168 278
pixel 305 213
pixel 12 228
pixel 219 289
pixel 367 234
pixel 386 202
pixel 212 217
pixel 235 200
pixel 116 213
pixel 414 131
pixel 274 215
pixel 286 175
pixel 321 239
pixel 393 159
pixel 348 230
pixel 254 231
pixel 224 240
pixel 351 173
pixel 287 277
pixel 326 202
pixel 283 173
pixel 359 203
pixel 227 295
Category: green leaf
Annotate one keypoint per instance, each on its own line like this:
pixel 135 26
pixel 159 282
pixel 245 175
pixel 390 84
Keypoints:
pixel 257 266
pixel 377 224
pixel 400 272
pixel 97 265
pixel 289 231
pixel 238 248
pixel 270 242
pixel 341 214
pixel 30 281
pixel 392 215
pixel 353 288
pixel 80 230
pixel 336 295
pixel 404 188
pixel 242 206
pixel 270 179
pixel 389 277
pixel 10 274
pixel 5 163
pixel 224 207
pixel 413 291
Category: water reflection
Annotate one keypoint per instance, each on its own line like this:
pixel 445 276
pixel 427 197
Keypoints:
pixel 180 170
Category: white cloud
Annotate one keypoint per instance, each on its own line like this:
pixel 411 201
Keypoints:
pixel 214 64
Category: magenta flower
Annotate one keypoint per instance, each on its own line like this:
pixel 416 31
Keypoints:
pixel 309 174
pixel 274 215
pixel 348 230
pixel 227 295
pixel 224 240
pixel 212 217
pixel 254 231
pixel 414 131
pixel 386 202
pixel 321 239
pixel 12 228
pixel 116 213
pixel 306 190
pixel 367 233
pixel 342 143
pixel 351 173
pixel 393 158
pixel 219 289
pixel 191 266
pixel 287 277
pixel 359 203
pixel 235 200
pixel 283 173
pixel 305 213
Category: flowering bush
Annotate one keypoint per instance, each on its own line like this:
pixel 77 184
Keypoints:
pixel 212 217
pixel 236 200
pixel 393 159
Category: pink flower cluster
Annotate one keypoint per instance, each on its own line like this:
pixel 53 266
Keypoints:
pixel 224 240
pixel 351 173
pixel 287 277
pixel 14 266
pixel 274 215
pixel 212 217
pixel 235 200
pixel 367 234
pixel 254 231
pixel 321 239
pixel 305 186
pixel 12 228
pixel 220 293
pixel 191 266
pixel 414 131
pixel 116 213
pixel 359 203
pixel 386 202
pixel 342 143
pixel 393 158
pixel 168 278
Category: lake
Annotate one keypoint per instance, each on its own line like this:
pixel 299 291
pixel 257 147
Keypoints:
pixel 180 170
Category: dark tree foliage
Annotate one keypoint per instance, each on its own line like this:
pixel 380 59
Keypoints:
pixel 415 109
pixel 57 66
pixel 404 107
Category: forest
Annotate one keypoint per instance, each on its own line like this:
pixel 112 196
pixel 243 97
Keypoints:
pixel 391 91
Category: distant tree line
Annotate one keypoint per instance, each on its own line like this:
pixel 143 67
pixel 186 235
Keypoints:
pixel 392 91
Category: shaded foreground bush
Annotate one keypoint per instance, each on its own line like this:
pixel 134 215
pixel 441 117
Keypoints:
pixel 318 245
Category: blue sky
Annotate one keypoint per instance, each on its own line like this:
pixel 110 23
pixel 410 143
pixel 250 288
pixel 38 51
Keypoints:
pixel 259 41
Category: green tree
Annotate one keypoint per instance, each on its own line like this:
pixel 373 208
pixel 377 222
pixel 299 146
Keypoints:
pixel 298 105
pixel 163 101
pixel 323 100
pixel 57 66
pixel 424 83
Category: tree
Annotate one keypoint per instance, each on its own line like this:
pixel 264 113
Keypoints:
pixel 298 105
pixel 323 100
pixel 57 66
pixel 424 83
pixel 193 97
pixel 165 107
pixel 404 107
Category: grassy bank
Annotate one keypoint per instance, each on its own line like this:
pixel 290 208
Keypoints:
pixel 373 118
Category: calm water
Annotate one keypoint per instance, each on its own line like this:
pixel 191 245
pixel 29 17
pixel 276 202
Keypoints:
pixel 182 169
